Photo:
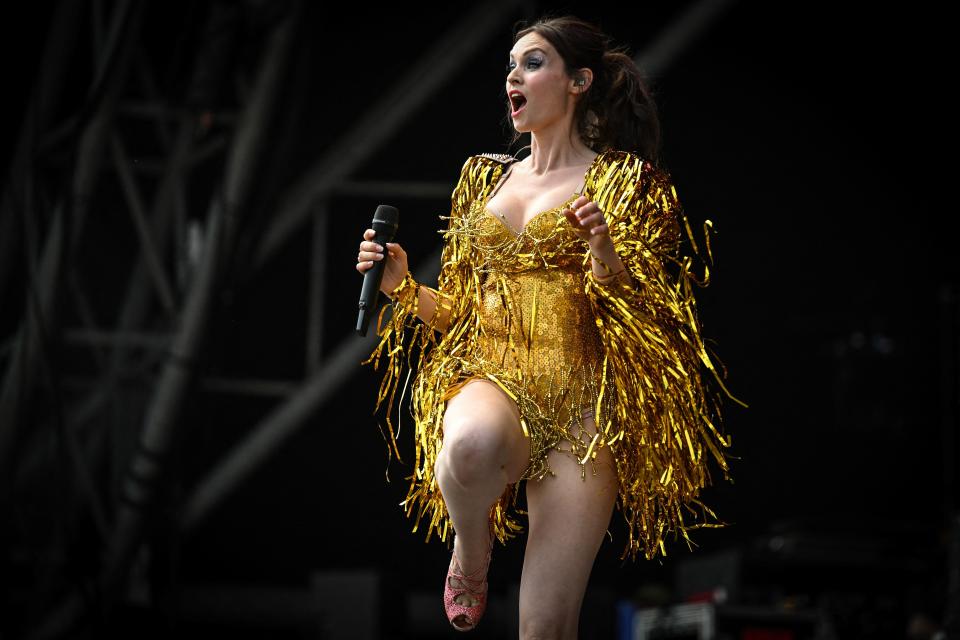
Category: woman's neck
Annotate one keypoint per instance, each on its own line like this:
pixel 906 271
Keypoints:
pixel 551 151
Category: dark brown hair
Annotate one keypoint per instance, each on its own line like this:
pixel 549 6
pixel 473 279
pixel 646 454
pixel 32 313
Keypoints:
pixel 617 111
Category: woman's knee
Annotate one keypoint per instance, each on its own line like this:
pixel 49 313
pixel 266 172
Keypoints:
pixel 472 451
pixel 557 623
pixel 541 628
pixel 479 431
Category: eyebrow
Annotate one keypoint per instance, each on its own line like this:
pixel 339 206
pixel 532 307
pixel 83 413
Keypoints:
pixel 531 49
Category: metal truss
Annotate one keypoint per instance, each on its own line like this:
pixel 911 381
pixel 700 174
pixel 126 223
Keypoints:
pixel 144 316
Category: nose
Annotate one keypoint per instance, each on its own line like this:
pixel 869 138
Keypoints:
pixel 512 75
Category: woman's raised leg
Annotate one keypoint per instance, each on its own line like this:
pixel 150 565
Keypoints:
pixel 568 518
pixel 483 449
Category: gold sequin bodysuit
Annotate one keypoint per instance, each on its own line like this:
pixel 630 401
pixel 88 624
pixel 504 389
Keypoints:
pixel 526 313
pixel 538 340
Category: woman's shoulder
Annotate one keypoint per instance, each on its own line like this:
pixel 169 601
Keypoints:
pixel 501 158
pixel 480 169
pixel 483 162
pixel 484 165
pixel 627 161
pixel 629 169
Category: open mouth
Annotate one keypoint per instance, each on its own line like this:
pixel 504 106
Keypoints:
pixel 517 103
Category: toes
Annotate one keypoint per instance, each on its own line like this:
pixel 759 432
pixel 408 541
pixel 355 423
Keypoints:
pixel 461 621
pixel 465 600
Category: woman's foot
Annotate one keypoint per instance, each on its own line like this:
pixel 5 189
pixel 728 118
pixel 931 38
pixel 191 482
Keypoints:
pixel 465 591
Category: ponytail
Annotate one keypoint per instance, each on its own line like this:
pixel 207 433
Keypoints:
pixel 629 114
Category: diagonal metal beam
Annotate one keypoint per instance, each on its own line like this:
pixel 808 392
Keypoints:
pixel 31 340
pixel 266 437
pixel 678 36
pixel 380 122
pixel 44 100
pixel 100 106
pixel 317 288
pixel 151 253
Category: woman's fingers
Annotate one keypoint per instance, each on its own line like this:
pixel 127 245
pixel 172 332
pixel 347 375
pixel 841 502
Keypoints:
pixel 580 226
pixel 592 220
pixel 594 223
pixel 585 209
pixel 364 262
pixel 396 251
pixel 370 252
pixel 572 217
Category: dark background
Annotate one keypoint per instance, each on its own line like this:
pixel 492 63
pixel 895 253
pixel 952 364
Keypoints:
pixel 814 135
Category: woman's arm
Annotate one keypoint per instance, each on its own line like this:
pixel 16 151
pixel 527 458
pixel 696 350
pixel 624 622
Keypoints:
pixel 590 225
pixel 427 303
pixel 606 264
pixel 437 307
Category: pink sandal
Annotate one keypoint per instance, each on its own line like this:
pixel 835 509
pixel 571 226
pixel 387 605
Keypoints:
pixel 470 584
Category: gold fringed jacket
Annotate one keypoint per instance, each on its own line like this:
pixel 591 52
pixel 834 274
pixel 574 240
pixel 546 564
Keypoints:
pixel 526 312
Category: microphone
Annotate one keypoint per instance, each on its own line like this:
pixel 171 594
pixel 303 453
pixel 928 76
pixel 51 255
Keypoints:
pixel 385 221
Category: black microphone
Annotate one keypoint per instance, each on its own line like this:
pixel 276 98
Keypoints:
pixel 385 221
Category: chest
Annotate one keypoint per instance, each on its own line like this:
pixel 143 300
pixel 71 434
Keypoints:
pixel 518 199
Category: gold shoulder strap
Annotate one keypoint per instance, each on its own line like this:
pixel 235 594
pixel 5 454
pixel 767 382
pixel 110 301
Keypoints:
pixel 502 158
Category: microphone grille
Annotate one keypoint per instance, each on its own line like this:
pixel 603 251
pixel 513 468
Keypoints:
pixel 386 214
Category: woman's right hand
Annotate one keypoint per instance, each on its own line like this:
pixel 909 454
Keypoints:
pixel 395 268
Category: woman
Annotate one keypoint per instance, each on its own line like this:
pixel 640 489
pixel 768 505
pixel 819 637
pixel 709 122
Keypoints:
pixel 555 338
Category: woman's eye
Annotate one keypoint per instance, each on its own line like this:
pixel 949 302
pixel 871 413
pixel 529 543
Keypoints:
pixel 532 63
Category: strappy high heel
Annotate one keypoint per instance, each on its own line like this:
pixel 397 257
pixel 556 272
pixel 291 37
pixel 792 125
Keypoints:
pixel 474 584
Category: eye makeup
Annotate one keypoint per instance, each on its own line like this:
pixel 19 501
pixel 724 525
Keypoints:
pixel 536 61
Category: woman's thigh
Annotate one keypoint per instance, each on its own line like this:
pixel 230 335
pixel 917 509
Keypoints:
pixel 484 415
pixel 568 516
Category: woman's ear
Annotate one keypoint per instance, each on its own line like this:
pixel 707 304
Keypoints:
pixel 582 80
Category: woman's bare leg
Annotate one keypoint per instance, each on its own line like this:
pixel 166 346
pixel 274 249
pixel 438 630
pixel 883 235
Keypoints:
pixel 568 518
pixel 483 449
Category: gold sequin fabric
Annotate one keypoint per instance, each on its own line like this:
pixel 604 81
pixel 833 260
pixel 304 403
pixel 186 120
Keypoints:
pixel 527 314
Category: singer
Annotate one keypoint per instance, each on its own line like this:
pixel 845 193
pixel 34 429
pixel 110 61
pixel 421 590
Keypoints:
pixel 561 345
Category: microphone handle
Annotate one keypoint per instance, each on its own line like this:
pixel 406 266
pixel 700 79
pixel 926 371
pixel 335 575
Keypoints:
pixel 372 279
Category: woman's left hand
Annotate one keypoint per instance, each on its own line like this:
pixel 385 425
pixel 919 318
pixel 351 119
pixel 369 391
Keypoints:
pixel 588 222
